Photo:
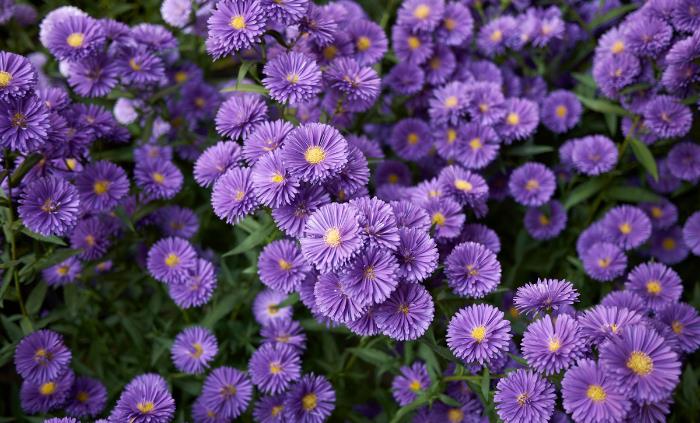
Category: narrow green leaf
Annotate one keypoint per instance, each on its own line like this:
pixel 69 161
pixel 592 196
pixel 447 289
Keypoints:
pixel 601 20
pixel 450 401
pixel 57 256
pixel 220 309
pixel 246 88
pixel 428 355
pixel 407 409
pixel 27 165
pixel 50 239
pixel 529 150
pixel 583 192
pixel 485 383
pixel 586 79
pixel 243 71
pixel 645 158
pixel 631 194
pixel 36 298
pixel 611 122
pixel 252 240
pixel 292 299
pixel 372 356
pixel 603 106
pixel 26 325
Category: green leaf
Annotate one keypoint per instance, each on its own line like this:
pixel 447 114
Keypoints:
pixel 36 298
pixel 603 106
pixel 450 401
pixel 57 256
pixel 586 79
pixel 292 299
pixel 220 309
pixel 428 355
pixel 485 383
pixel 50 239
pixel 644 156
pixel 27 165
pixel 246 88
pixel 611 121
pixel 407 409
pixel 601 20
pixel 529 150
pixel 372 356
pixel 584 191
pixel 243 71
pixel 631 194
pixel 253 240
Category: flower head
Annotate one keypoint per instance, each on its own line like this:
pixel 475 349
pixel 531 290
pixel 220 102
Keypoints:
pixel 478 333
pixel 274 367
pixel 170 259
pixel 193 350
pixel 550 346
pixel 472 270
pixel 314 152
pixel 407 313
pixel 311 400
pixel 523 396
pixel 656 283
pixel 226 392
pixel 590 395
pixel 292 78
pixel 49 206
pixel 412 381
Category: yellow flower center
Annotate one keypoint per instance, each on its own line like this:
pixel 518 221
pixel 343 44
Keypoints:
pixel 677 327
pixel 412 138
pixel 544 220
pixel 656 212
pixel 617 47
pixel 172 260
pixel 393 178
pixel 422 11
pixel 472 270
pixel 75 39
pixel 604 262
pixel 369 273
pixel 71 163
pixel 497 36
pixel 455 415
pixel 48 206
pixel 640 363
pixel 451 136
pixel 145 407
pixel 415 385
pixel 363 43
pixel 284 264
pixel 276 410
pixel 5 78
pixel 479 333
pixel 435 63
pixel 513 119
pixel 47 388
pixel 451 101
pixel 450 24
pixel 309 402
pixel 668 244
pixel 522 399
pixel 596 393
pixel 90 240
pixel 198 350
pixel 237 22
pixel 554 345
pixel 239 195
pixel 330 52
pixel 200 102
pixel 19 120
pixel 272 310
pixel 101 187
pixel 413 42
pixel 277 178
pixel 561 111
pixel 82 396
pixel 654 287
pixel 275 368
pixel 62 270
pixel 403 308
pixel 625 228
pixel 314 155
pixel 463 185
pixel 532 185
pixel 158 177
pixel 438 219
pixel 332 237
pixel 293 78
pixel 133 65
pixel 180 77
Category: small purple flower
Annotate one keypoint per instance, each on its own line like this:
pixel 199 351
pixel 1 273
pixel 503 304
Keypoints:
pixel 292 218
pixel 647 35
pixel 532 184
pixel 624 299
pixel 545 295
pixel 314 152
pixel 91 235
pixel 409 215
pixel 593 155
pixel 88 397
pixel 561 111
pixel 412 381
pixel 240 115
pixel 94 76
pixel 234 26
pixel 226 392
pixel 49 206
pixel 273 184
pixel 311 400
pixel 270 409
pixel 656 283
pixel 413 48
pixel 281 266
pixel 604 261
pixel 472 270
pixel 411 139
pixel 520 121
pixel 25 124
pixel 158 178
pixel 420 15
pixel 369 41
pixel 101 186
pixel 667 117
pixel 478 333
pixel 215 161
pixel 266 307
pixel 18 76
pixel 546 222
pixel 604 322
pixel 590 395
pixel 284 332
pixel 42 356
pixel 358 85
pixel 446 217
pixel 684 161
pixel 42 397
pixel 550 346
pixel 194 349
pixel 456 26
pixel 334 302
pixel 332 236
pixel 177 221
pixel 274 367
pixel 407 313
pixel 170 259
pixel 75 37
pixel 492 37
pixel 292 78
pixel 371 277
pixel 196 287
pixel 684 323
pixel 62 273
pixel 627 226
pixel 266 137
pixel 691 233
pixel 612 73
pixel 523 396
pixel 667 245
pixel 476 232
pixel 232 197
pixel 417 255
pixel 478 147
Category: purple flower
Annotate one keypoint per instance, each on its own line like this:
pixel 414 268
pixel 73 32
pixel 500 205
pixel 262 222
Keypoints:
pixel 590 395
pixel 311 400
pixel 650 411
pixel 215 161
pixel 560 111
pixel 405 78
pixel 627 226
pixel 332 237
pixel 176 13
pixel 492 37
pixel 551 346
pixel 523 396
pixel 235 25
pixel 17 76
pixel 270 409
pixel 407 313
pixel 94 76
pixel 413 48
pixel 656 283
pixel 196 287
pixel 42 356
pixel 456 26
pixel 411 139
pixel 521 119
pixel 662 213
pixel 101 185
pixel 487 104
pixel 667 117
pixel 334 302
pixel 545 295
pixel 314 152
pixel 412 381
pixel 91 235
pixel 604 322
pixel 368 40
pixel 420 15
pixel 62 273
pixel 292 218
pixel 377 221
pixel 226 392
pixel 158 178
pixel 193 350
pixel 42 397
pixel 667 245
pixel 417 255
pixel 24 124
pixel 479 147
pixel 233 197
pixel 240 114
pixel 685 16
pixel 371 277
pixel 75 37
pixel 88 397
pixel 647 35
pixel 170 259
pixel 593 155
pixel 691 233
pixel 139 67
pixel 49 206
pixel 281 266
pixel 273 185
pixel 472 270
pixel 144 403
pixel 266 137
pixel 641 364
pixel 546 222
pixel 292 78
pixel 478 333
pixel 624 299
pixel 604 261
pixel 274 367
pixel 286 11
pixel 684 323
pixel 612 73
pixel 284 332
pixel 482 234
pixel 532 184
pixel 366 325
pixel 449 103
pixel 446 216
pixel 409 215
pixel 266 308
pixel 177 221
pixel 684 161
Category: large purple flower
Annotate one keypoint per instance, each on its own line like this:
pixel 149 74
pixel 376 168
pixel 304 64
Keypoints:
pixel 332 237
pixel 315 152
pixel 407 313
pixel 551 346
pixel 591 396
pixel 478 333
pixel 235 25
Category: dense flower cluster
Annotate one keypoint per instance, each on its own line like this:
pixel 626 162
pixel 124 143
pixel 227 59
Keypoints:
pixel 376 153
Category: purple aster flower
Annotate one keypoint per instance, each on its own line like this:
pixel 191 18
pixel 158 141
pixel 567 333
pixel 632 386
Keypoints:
pixel 274 367
pixel 593 234
pixel 417 254
pixel 176 13
pixel 446 216
pixel 650 412
pixel 493 36
pixel 292 78
pixel 334 302
pixel 292 218
pixel 666 183
pixel 272 184
pixel 193 350
pixel 684 161
pixel 560 111
pixel 523 396
pixel 612 73
pixel 486 103
pixel 472 270
pixel 405 78
pixel 101 186
pixel 667 117
pixel 407 313
pixel 93 76
pixel 449 103
pixel 521 119
pixel 656 283
pixel 546 222
pixel 358 85
pixel 411 139
pixel 49 206
pixel 662 214
pixel 420 15
pixel 284 332
pixel 87 398
pixel 286 11
pixel 91 235
pixel 321 24
pixel 24 124
pixel 281 266
pixel 62 273
pixel 647 35
pixel 414 48
pixel 482 234
pixel 75 37
pixel 235 25
pixel 368 40
pixel 366 324
pixel 456 26
pixel 232 197
pixel 42 397
pixel 642 365
pixel 604 322
pixel 196 287
pixel 177 221
pixel 593 155
pixel 311 400
pixel 227 392
pixel 551 346
pixel 667 245
pixel 378 223
pixel 685 16
pixel 371 277
pixel 478 333
pixel 545 295
pixel 684 322
pixel 463 186
pixel 18 77
pixel 532 184
pixel 370 148
pixel 409 215
pixel 270 409
pixel 604 261
pixel 215 161
pixel 624 299
pixel 332 236
pixel 479 147
pixel 590 395
pixel 266 137
pixel 410 382
pixel 240 115
pixel 266 308
pixel 314 152
pixel 139 67
pixel 392 172
pixel 42 356
pixel 170 259
pixel 158 178
pixel 352 178
pixel 691 233
pixel 627 226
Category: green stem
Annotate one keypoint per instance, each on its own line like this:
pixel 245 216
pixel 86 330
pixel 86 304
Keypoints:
pixel 13 244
